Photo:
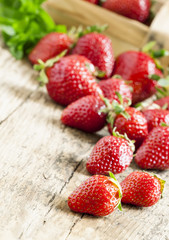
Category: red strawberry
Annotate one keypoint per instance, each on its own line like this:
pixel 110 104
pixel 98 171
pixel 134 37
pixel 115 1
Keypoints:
pixel 133 124
pixel 155 117
pixel 142 189
pixel 111 153
pixel 98 49
pixel 113 85
pixel 136 67
pixel 50 46
pixel 98 195
pixel 154 152
pixel 163 101
pixel 135 9
pixel 85 114
pixel 92 1
pixel 69 79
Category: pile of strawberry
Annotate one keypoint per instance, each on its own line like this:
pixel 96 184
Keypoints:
pixel 99 90
pixel 134 9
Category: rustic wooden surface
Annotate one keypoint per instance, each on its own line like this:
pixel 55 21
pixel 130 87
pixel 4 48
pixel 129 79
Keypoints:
pixel 42 162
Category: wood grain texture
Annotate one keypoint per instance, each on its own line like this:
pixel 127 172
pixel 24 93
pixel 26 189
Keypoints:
pixel 42 162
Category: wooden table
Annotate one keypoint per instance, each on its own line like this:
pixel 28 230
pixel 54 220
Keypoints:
pixel 42 162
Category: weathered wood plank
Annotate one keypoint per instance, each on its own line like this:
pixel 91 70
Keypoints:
pixel 17 82
pixel 133 223
pixel 38 158
pixel 43 161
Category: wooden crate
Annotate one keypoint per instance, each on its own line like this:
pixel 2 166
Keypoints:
pixel 124 32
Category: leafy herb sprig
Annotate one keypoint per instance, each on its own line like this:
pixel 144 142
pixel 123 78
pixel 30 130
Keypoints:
pixel 24 23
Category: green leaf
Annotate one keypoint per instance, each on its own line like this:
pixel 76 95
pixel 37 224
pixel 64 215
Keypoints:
pixel 23 23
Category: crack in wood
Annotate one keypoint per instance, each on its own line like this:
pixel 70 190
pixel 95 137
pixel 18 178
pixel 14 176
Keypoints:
pixel 20 105
pixel 70 177
pixel 21 235
pixel 52 199
pixel 74 224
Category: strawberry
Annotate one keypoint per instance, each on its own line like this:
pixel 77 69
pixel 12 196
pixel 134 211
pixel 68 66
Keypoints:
pixel 69 78
pixel 111 153
pixel 133 123
pixel 98 195
pixel 155 117
pixel 154 152
pixel 98 49
pixel 163 101
pixel 50 46
pixel 135 9
pixel 92 1
pixel 142 189
pixel 137 67
pixel 85 114
pixel 113 85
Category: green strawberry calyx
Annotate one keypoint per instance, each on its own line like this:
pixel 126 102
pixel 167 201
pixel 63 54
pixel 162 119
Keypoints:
pixel 155 54
pixel 114 108
pixel 163 85
pixel 43 79
pixel 95 71
pixel 76 33
pixel 164 124
pixel 147 104
pixel 161 181
pixel 114 180
pixel 148 48
pixel 130 142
